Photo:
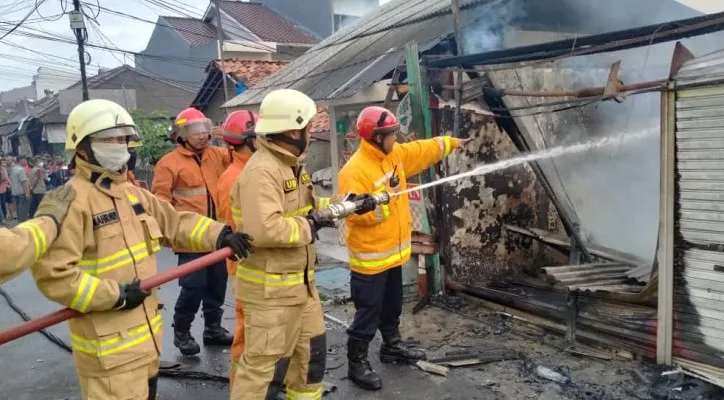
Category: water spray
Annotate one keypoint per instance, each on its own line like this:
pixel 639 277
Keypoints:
pixel 548 153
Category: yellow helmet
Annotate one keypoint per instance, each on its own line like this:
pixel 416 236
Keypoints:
pixel 284 110
pixel 135 141
pixel 97 117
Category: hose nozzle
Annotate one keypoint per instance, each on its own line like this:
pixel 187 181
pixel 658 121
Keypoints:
pixel 348 207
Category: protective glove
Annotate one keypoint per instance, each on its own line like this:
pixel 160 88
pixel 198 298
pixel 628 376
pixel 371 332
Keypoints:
pixel 131 296
pixel 239 242
pixel 317 222
pixel 368 203
pixel 55 204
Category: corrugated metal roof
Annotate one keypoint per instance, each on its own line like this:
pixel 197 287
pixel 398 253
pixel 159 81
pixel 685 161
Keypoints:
pixel 365 52
pixel 610 277
pixel 706 68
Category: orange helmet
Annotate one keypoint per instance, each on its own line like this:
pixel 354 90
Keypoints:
pixel 192 121
pixel 239 126
pixel 376 120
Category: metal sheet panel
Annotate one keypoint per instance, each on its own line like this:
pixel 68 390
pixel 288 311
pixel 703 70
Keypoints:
pixel 699 251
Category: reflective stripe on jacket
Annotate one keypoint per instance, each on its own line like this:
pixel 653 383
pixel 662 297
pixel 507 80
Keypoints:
pixel 179 179
pixel 223 196
pixel 381 239
pixel 24 244
pixel 273 194
pixel 110 236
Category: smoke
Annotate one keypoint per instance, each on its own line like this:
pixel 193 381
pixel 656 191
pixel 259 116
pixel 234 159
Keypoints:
pixel 486 32
pixel 615 191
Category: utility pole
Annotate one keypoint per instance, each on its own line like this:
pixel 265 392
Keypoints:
pixel 220 36
pixel 459 80
pixel 78 26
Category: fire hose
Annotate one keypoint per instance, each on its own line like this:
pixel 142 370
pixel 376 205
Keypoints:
pixel 333 212
pixel 65 314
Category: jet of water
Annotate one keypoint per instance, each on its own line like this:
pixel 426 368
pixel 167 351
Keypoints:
pixel 548 153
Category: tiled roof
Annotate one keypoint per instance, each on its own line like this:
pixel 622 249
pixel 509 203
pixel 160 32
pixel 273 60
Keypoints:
pixel 320 124
pixel 193 30
pixel 267 24
pixel 250 71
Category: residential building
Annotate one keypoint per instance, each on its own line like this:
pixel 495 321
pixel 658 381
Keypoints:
pixel 128 86
pixel 180 48
pixel 45 80
pixel 323 17
pixel 242 75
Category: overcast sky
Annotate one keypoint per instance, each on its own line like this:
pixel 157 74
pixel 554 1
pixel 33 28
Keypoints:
pixel 17 66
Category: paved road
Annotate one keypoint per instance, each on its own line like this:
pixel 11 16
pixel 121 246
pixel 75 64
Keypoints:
pixel 42 371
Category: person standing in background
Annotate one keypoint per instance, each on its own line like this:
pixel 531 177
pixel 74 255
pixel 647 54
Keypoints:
pixel 187 178
pixel 20 188
pixel 11 212
pixel 38 175
pixel 4 186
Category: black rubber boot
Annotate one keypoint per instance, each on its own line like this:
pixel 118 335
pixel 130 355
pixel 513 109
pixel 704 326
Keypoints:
pixel 186 343
pixel 360 372
pixel 216 335
pixel 152 388
pixel 394 350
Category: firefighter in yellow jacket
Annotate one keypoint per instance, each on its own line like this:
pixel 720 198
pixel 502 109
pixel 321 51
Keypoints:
pixel 274 197
pixel 107 245
pixel 29 241
pixel 379 242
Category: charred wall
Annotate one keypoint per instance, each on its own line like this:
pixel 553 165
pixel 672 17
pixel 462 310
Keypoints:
pixel 477 209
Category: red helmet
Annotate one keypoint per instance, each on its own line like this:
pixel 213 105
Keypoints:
pixel 192 121
pixel 239 126
pixel 374 120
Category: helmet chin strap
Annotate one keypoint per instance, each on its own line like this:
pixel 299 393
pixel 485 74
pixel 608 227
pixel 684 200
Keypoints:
pixel 300 144
pixel 249 142
pixel 381 144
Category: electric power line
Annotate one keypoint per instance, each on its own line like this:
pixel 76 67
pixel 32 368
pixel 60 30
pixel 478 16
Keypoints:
pixel 11 30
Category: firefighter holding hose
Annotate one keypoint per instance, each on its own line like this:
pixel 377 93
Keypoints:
pixel 239 134
pixel 27 242
pixel 283 318
pixel 379 242
pixel 107 245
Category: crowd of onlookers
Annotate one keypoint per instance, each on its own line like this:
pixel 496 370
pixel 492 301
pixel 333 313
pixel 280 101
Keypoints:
pixel 24 180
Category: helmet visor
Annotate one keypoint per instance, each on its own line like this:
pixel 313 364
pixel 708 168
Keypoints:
pixel 195 128
pixel 116 131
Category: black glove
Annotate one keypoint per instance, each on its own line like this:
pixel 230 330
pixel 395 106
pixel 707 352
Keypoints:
pixel 131 296
pixel 368 204
pixel 317 222
pixel 239 242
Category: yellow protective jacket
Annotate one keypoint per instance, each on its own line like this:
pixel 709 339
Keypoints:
pixel 110 236
pixel 270 201
pixel 382 239
pixel 24 244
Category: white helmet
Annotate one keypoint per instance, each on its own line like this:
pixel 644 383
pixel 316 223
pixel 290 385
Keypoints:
pixel 284 110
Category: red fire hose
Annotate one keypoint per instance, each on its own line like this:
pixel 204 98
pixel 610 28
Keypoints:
pixel 65 314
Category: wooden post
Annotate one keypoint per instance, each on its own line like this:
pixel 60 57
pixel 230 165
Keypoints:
pixel 421 106
pixel 665 256
pixel 459 79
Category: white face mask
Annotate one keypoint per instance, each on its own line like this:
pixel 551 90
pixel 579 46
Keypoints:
pixel 111 156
